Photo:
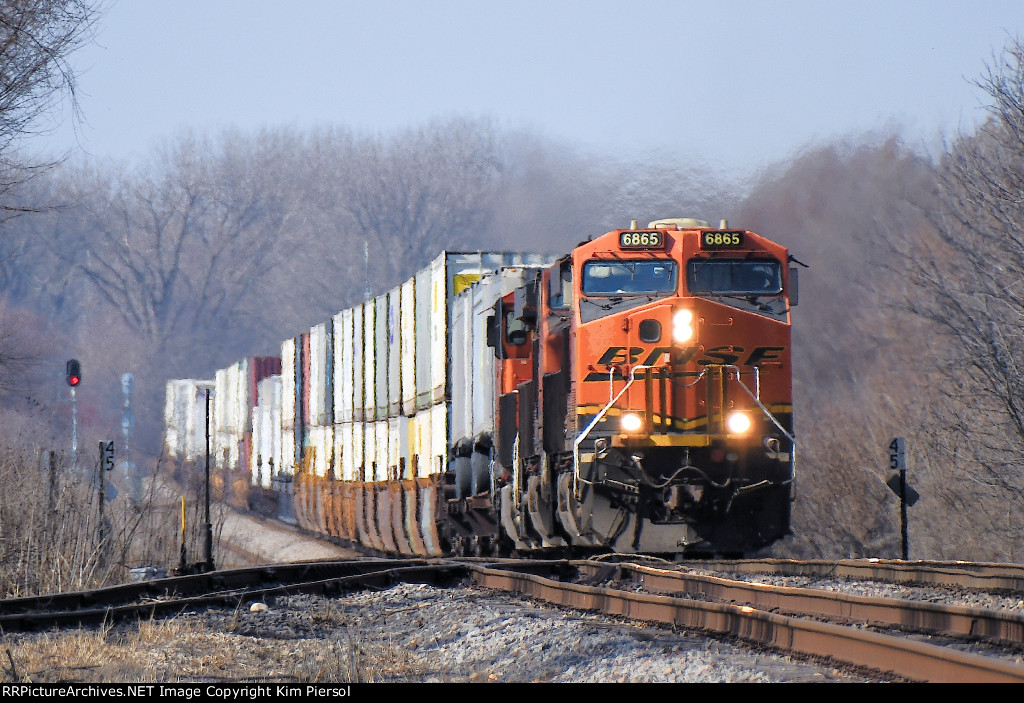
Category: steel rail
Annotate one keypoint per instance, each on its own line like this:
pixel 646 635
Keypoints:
pixel 170 595
pixel 433 573
pixel 977 576
pixel 900 656
pixel 954 620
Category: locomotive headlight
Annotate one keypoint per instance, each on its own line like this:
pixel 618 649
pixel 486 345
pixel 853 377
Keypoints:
pixel 681 325
pixel 738 423
pixel 631 422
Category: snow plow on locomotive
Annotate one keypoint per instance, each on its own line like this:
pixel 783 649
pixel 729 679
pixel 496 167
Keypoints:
pixel 632 396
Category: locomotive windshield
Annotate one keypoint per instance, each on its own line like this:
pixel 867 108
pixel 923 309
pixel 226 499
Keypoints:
pixel 619 278
pixel 734 277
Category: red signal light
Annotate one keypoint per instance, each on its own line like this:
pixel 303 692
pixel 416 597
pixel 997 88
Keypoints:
pixel 74 372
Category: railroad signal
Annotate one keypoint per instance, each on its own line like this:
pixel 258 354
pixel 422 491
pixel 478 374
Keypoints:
pixel 73 373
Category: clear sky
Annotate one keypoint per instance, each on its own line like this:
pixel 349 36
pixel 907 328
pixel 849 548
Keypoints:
pixel 731 83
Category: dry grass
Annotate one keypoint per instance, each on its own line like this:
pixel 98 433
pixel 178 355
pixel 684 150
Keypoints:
pixel 52 538
pixel 213 647
pixel 50 541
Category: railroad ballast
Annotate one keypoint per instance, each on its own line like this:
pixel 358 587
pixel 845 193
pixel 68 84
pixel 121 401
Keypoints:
pixel 634 395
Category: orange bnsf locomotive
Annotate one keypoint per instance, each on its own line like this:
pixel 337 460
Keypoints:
pixel 645 396
pixel 632 396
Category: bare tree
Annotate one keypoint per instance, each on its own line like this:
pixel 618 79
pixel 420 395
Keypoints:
pixel 36 39
pixel 972 284
pixel 21 348
pixel 420 191
pixel 964 270
pixel 183 248
pixel 857 380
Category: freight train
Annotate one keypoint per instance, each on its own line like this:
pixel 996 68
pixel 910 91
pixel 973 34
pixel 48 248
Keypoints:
pixel 632 396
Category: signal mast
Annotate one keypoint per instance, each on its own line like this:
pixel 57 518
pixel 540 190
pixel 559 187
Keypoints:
pixel 73 376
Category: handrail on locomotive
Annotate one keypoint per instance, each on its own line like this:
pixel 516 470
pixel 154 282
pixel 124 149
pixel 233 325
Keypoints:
pixel 755 395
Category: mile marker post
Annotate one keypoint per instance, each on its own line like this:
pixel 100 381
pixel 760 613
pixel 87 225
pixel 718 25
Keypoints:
pixel 898 484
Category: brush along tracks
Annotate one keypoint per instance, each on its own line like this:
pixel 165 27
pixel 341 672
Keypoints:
pixel 793 620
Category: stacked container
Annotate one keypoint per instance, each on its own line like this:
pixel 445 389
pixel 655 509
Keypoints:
pixel 473 371
pixel 235 394
pixel 361 410
pixel 185 419
pixel 266 458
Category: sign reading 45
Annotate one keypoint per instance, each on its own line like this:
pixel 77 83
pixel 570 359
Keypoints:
pixel 107 454
pixel 898 454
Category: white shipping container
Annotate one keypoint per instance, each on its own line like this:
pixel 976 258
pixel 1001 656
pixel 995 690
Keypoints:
pixel 482 361
pixel 419 440
pixel 472 362
pixel 381 446
pixel 222 380
pixel 288 455
pixel 321 440
pixel 266 458
pixel 408 347
pixel 438 438
pixel 398 447
pixel 394 342
pixel 449 274
pixel 423 347
pixel 240 415
pixel 358 373
pixel 318 374
pixel 185 418
pixel 174 418
pixel 176 397
pixel 343 451
pixel 462 372
pixel 258 439
pixel 260 444
pixel 369 363
pixel 275 423
pixel 232 414
pixel 438 328
pixel 369 452
pixel 197 422
pixel 380 326
pixel 345 385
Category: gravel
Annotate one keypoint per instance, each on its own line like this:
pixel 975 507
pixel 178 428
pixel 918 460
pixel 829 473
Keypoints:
pixel 467 634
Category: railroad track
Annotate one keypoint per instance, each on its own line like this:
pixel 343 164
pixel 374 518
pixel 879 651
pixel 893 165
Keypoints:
pixel 169 596
pixel 986 576
pixel 800 621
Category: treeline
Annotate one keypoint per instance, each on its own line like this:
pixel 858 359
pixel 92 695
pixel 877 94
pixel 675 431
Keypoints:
pixel 221 246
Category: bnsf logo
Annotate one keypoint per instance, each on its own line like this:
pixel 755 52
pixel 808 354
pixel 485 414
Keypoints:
pixel 613 356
